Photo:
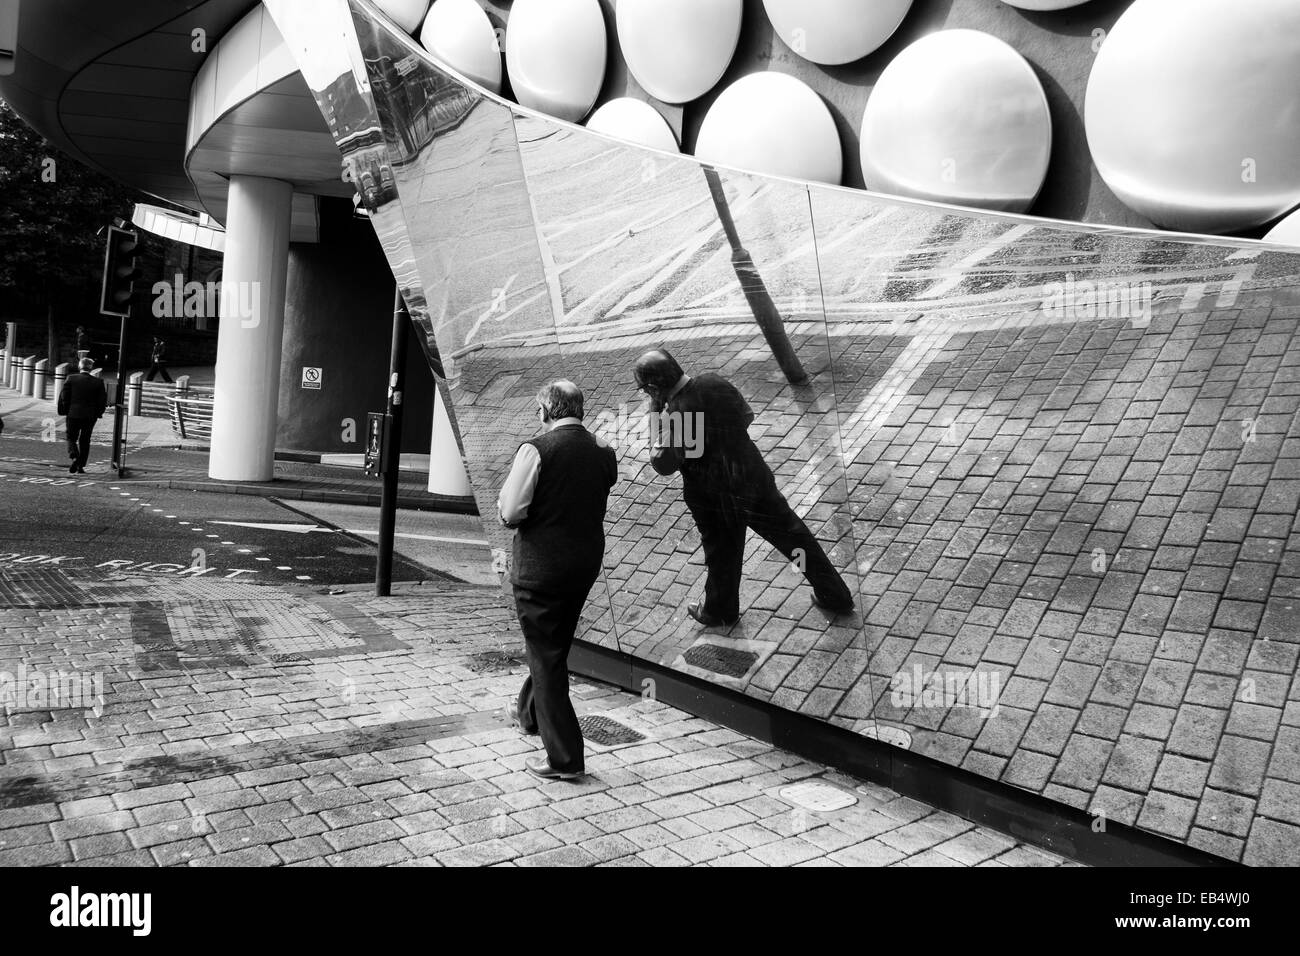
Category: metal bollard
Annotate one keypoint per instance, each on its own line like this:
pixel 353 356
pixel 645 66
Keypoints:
pixel 60 376
pixel 134 393
pixel 42 378
pixel 27 381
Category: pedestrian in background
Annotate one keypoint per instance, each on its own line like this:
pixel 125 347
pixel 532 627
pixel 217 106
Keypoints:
pixel 82 400
pixel 159 352
pixel 555 498
pixel 83 343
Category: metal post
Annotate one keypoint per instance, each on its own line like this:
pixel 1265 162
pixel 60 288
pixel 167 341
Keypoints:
pixel 751 283
pixel 119 403
pixel 393 448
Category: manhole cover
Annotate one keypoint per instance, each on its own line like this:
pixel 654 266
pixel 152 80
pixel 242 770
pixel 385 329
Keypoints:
pixel 817 797
pixel 606 732
pixel 727 661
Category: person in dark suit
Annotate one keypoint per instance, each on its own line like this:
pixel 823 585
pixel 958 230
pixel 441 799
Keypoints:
pixel 83 400
pixel 157 358
pixel 555 498
pixel 728 487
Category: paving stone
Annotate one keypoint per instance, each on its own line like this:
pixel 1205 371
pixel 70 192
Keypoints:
pixel 1271 843
pixel 562 856
pixel 1167 813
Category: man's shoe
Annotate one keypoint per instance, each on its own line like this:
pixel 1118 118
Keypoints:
pixel 708 620
pixel 511 712
pixel 836 607
pixel 541 767
pixel 72 470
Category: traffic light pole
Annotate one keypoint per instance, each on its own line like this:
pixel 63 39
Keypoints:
pixel 392 456
pixel 119 404
pixel 120 275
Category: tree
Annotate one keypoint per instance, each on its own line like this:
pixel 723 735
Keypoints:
pixel 51 208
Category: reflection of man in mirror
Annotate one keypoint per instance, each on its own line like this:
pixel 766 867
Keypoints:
pixel 729 488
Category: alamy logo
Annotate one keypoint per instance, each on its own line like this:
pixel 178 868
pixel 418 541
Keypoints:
pixel 946 689
pixel 204 300
pixel 74 908
pixel 1083 300
pixel 634 427
pixel 30 689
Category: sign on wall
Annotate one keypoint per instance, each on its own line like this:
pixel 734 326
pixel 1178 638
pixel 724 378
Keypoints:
pixel 311 377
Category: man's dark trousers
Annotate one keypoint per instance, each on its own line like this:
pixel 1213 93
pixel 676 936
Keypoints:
pixel 730 488
pixel 723 517
pixel 156 368
pixel 549 621
pixel 79 430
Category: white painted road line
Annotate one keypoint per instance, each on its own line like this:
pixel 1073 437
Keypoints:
pixel 291 528
pixel 422 537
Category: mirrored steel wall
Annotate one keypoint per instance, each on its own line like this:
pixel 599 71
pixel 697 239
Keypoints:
pixel 1056 467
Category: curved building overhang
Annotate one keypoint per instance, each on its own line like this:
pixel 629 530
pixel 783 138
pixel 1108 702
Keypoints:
pixel 114 92
pixel 174 97
pixel 180 227
pixel 251 114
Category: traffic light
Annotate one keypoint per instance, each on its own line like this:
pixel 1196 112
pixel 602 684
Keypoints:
pixel 120 272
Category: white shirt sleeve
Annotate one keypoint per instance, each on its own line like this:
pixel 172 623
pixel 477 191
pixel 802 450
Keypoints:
pixel 517 492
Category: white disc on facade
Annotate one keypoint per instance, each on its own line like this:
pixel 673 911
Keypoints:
pixel 459 33
pixel 555 55
pixel 1286 232
pixel 1193 112
pixel 958 117
pixel 835 31
pixel 772 123
pixel 1045 4
pixel 635 121
pixel 407 13
pixel 678 49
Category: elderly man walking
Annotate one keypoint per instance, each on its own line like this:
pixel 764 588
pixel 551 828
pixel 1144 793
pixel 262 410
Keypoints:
pixel 555 498
pixel 83 400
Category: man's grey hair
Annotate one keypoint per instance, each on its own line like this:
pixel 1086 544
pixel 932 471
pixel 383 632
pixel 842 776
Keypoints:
pixel 86 364
pixel 561 399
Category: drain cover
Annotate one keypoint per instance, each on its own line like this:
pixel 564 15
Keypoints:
pixel 727 661
pixel 818 797
pixel 606 732
pixel 889 735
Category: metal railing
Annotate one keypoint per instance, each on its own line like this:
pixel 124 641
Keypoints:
pixel 191 418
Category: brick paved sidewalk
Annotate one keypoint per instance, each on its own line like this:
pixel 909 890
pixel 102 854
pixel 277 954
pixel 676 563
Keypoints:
pixel 250 725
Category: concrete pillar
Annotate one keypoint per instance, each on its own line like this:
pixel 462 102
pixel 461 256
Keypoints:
pixel 446 468
pixel 254 272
